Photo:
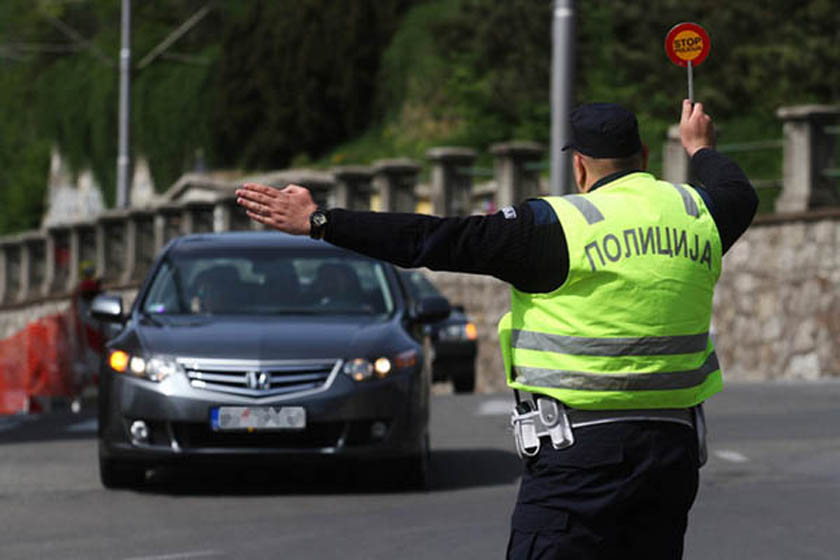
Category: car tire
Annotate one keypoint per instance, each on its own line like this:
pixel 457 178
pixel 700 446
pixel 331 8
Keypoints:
pixel 118 474
pixel 412 473
pixel 464 381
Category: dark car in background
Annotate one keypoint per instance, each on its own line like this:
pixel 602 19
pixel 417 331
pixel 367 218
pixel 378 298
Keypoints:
pixel 261 346
pixel 453 338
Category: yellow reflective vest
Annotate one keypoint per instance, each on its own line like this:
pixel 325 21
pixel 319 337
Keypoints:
pixel 629 328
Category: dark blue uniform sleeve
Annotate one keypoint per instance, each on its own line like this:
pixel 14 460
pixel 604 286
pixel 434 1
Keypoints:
pixel 513 245
pixel 728 194
pixel 524 245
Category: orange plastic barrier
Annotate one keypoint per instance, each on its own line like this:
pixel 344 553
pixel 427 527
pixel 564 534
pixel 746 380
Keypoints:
pixel 54 356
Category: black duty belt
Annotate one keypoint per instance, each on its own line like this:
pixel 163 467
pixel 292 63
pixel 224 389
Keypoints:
pixel 546 417
pixel 579 418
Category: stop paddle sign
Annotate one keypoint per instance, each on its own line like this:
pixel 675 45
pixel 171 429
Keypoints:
pixel 687 45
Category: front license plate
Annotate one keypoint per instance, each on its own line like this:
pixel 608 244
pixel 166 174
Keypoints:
pixel 252 418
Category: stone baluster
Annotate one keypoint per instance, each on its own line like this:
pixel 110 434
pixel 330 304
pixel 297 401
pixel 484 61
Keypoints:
pixel 5 269
pixel 168 223
pixel 58 259
pixel 115 246
pixel 199 216
pixel 352 187
pixel 810 133
pixel 451 180
pixel 515 181
pixel 676 165
pixel 33 265
pixel 394 180
pixel 140 246
pixel 229 216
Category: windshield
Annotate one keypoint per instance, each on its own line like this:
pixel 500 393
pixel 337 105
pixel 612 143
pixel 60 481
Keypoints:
pixel 267 281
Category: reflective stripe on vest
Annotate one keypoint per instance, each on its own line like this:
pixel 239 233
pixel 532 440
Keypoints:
pixel 588 346
pixel 690 205
pixel 590 211
pixel 588 381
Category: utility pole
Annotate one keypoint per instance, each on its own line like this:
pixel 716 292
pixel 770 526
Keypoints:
pixel 123 156
pixel 562 93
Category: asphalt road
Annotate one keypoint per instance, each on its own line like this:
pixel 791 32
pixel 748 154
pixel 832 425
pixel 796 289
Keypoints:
pixel 771 490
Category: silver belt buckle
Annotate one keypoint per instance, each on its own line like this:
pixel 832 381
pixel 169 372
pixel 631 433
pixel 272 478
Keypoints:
pixel 556 421
pixel 524 422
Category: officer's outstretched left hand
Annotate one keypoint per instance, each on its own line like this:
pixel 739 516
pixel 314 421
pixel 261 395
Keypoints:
pixel 285 209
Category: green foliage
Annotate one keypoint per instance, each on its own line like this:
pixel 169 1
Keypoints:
pixel 499 54
pixel 267 83
pixel 261 82
pixel 297 77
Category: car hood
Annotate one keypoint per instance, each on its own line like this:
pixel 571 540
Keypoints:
pixel 269 338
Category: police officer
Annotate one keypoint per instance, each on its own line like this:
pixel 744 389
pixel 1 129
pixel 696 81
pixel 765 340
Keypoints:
pixel 607 342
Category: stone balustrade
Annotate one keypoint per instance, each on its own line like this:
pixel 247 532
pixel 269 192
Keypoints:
pixel 120 245
pixel 39 269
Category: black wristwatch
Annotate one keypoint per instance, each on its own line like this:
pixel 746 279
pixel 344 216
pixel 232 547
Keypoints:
pixel 317 223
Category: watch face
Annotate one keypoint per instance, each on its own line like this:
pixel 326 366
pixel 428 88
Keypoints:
pixel 319 218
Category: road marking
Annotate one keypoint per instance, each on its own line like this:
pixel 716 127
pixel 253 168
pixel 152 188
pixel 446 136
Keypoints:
pixel 89 426
pixel 495 407
pixel 179 555
pixel 731 456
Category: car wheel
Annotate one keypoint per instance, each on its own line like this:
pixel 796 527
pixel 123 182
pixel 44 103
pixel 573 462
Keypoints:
pixel 412 472
pixel 118 474
pixel 464 381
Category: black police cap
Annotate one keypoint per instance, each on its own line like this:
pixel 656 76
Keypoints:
pixel 604 130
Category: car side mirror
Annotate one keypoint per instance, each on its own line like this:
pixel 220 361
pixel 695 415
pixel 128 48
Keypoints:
pixel 108 308
pixel 431 309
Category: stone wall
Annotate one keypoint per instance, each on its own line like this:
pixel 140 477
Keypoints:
pixel 777 304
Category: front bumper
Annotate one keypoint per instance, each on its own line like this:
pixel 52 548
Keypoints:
pixel 340 420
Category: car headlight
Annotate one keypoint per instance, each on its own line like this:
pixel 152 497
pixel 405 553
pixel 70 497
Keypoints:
pixel 153 368
pixel 362 369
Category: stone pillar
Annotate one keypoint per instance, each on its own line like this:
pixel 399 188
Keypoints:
pixel 223 213
pixel 515 181
pixel 395 180
pixel 198 216
pixel 13 253
pixel 140 245
pixel 33 265
pixel 3 270
pixel 676 165
pixel 451 182
pixel 24 277
pixel 809 135
pixel 352 187
pixel 115 246
pixel 229 216
pixel 49 262
pixel 169 224
pixel 58 259
pixel 74 260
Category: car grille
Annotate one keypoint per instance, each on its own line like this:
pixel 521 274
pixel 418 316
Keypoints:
pixel 255 378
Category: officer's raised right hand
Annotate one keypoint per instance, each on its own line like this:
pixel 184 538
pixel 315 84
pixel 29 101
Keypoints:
pixel 696 128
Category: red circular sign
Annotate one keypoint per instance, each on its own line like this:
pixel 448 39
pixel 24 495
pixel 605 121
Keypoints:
pixel 687 42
